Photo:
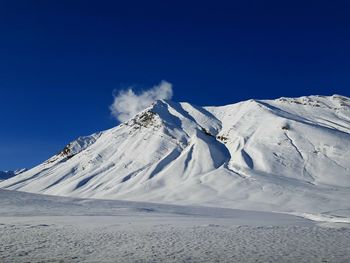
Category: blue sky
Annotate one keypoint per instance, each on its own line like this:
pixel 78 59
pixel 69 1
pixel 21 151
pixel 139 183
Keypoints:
pixel 61 60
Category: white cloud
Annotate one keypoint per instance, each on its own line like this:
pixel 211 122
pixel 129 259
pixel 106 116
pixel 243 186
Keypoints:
pixel 127 103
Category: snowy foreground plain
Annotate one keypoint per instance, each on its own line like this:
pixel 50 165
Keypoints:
pixel 39 228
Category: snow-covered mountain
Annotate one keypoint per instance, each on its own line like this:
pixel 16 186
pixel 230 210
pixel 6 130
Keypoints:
pixel 8 174
pixel 289 154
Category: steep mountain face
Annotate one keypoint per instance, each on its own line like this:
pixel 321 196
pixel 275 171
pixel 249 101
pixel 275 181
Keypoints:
pixel 289 154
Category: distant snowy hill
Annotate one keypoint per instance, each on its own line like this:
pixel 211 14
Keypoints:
pixel 289 154
pixel 4 175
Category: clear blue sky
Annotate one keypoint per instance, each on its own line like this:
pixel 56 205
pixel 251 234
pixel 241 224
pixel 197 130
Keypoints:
pixel 61 60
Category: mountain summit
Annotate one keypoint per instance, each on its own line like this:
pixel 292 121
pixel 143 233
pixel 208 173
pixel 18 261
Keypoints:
pixel 288 154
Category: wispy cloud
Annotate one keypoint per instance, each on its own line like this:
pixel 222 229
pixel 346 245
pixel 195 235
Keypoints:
pixel 127 103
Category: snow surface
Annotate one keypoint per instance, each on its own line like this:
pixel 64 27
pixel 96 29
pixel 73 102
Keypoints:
pixel 288 155
pixel 39 228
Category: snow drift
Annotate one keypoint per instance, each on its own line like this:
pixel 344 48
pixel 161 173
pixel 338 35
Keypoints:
pixel 289 154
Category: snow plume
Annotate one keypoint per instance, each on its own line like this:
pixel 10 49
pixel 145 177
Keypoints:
pixel 127 103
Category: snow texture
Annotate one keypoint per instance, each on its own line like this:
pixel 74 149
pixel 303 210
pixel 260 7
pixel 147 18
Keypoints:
pixel 39 228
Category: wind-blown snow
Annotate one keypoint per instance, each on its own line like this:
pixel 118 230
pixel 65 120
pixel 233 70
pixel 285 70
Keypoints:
pixel 127 103
pixel 290 155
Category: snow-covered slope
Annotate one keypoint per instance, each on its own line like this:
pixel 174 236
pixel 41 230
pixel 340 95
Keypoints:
pixel 289 154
